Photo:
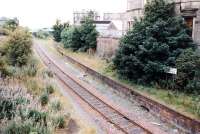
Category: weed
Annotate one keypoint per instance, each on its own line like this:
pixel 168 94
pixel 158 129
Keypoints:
pixel 44 99
pixel 56 105
pixel 50 89
pixel 59 122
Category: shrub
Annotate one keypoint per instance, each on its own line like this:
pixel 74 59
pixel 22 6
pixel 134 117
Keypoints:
pixel 57 29
pixel 7 108
pixel 44 99
pixel 3 68
pixel 71 38
pixel 49 73
pixel 56 105
pixel 26 127
pixel 32 86
pixel 88 35
pixel 80 38
pixel 19 47
pixel 11 24
pixel 17 128
pixel 188 77
pixel 50 89
pixel 31 68
pixel 59 122
pixel 38 117
pixel 41 34
pixel 152 46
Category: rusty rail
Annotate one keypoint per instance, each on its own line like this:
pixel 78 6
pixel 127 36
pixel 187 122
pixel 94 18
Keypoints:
pixel 165 113
pixel 115 117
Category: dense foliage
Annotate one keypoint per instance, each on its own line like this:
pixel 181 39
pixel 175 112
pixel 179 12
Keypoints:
pixel 71 38
pixel 152 46
pixel 88 35
pixel 57 29
pixel 15 52
pixel 41 34
pixel 188 77
pixel 11 24
pixel 80 38
pixel 19 47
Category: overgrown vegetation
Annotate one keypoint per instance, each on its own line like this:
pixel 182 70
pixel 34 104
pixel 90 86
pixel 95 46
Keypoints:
pixel 57 29
pixel 42 34
pixel 16 51
pixel 153 46
pixel 80 38
pixel 21 82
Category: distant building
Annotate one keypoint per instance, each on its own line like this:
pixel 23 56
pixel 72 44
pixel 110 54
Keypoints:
pixel 188 9
pixel 80 15
pixel 107 29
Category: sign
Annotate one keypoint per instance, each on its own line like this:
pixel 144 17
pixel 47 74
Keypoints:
pixel 172 71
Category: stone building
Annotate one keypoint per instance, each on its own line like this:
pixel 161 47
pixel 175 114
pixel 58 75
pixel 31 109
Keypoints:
pixel 188 9
pixel 78 16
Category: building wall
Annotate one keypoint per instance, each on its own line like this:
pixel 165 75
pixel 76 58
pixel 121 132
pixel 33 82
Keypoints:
pixel 107 46
pixel 196 33
pixel 135 9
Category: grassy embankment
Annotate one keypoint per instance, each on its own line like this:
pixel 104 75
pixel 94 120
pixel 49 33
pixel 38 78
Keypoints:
pixel 37 105
pixel 187 104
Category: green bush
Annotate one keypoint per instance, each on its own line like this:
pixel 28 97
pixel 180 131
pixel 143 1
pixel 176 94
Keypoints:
pixel 88 35
pixel 26 127
pixel 188 77
pixel 56 106
pixel 17 128
pixel 41 34
pixel 50 89
pixel 153 44
pixel 11 24
pixel 49 73
pixel 4 72
pixel 80 38
pixel 8 108
pixel 71 38
pixel 57 29
pixel 31 68
pixel 59 122
pixel 19 47
pixel 38 117
pixel 44 99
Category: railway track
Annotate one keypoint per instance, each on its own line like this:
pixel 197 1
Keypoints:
pixel 113 116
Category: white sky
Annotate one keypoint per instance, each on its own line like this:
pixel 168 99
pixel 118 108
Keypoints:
pixel 43 13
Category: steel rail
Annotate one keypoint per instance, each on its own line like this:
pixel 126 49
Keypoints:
pixel 85 95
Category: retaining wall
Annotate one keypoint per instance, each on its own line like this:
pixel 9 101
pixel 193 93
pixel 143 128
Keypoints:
pixel 165 113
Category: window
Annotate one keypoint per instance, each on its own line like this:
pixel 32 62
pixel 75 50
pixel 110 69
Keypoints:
pixel 189 22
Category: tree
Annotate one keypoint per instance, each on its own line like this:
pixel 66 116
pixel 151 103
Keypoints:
pixel 152 46
pixel 11 24
pixel 88 34
pixel 71 38
pixel 19 47
pixel 80 38
pixel 57 29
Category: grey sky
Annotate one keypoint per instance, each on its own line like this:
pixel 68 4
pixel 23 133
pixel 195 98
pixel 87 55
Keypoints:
pixel 43 13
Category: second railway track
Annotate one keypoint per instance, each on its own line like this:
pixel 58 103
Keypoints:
pixel 113 116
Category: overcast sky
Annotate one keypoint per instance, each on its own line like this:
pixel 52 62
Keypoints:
pixel 43 13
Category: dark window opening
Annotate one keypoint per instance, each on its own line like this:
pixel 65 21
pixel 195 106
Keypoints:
pixel 189 23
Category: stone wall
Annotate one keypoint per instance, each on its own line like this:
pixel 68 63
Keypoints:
pixel 191 126
pixel 106 46
pixel 196 33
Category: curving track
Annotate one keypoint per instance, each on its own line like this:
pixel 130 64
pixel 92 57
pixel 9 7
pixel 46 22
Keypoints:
pixel 118 119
